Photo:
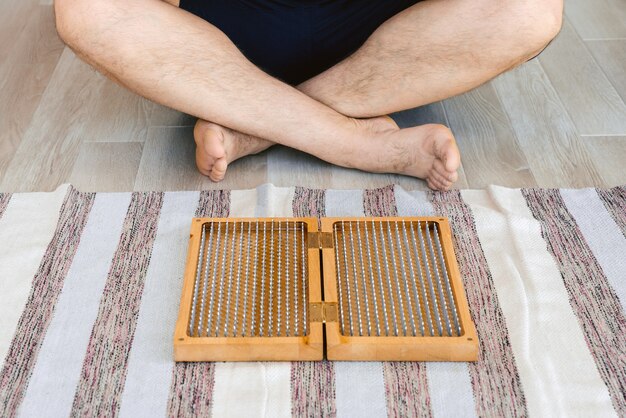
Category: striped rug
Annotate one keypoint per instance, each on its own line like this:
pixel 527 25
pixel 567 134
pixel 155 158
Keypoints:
pixel 90 285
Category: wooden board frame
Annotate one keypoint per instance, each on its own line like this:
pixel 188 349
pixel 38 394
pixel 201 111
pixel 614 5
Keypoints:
pixel 304 348
pixel 341 347
pixel 336 346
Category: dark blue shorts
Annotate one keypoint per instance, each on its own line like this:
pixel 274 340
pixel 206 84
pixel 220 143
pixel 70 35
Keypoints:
pixel 296 40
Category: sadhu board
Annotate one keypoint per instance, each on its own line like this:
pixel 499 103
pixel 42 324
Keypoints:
pixel 283 289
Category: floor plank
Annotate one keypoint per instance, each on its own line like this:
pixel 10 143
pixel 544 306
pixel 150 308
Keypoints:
pixel 555 153
pixel 47 151
pixel 486 139
pixel 118 115
pixel 610 153
pixel 587 94
pixel 597 19
pixel 22 83
pixel 432 113
pixel 168 163
pixel 14 17
pixel 106 166
pixel 165 116
pixel 289 167
pixel 611 55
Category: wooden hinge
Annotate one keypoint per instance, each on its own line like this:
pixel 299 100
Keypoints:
pixel 323 312
pixel 320 240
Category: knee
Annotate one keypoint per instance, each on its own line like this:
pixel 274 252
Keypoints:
pixel 75 18
pixel 534 23
pixel 546 19
pixel 68 17
pixel 521 28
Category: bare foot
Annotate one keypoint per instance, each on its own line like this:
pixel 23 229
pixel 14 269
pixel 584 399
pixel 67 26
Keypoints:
pixel 435 156
pixel 217 146
pixel 428 152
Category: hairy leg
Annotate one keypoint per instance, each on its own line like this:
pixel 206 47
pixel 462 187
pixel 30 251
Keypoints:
pixel 179 60
pixel 182 61
pixel 432 50
pixel 436 49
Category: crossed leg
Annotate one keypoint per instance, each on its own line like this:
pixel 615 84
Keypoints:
pixel 432 50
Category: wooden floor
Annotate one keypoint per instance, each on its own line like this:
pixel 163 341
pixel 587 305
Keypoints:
pixel 558 121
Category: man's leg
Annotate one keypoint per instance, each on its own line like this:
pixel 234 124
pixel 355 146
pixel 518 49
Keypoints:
pixel 181 61
pixel 436 49
pixel 430 51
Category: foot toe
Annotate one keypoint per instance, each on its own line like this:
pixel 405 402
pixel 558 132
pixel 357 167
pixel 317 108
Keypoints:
pixel 436 176
pixel 439 168
pixel 451 158
pixel 436 185
pixel 218 171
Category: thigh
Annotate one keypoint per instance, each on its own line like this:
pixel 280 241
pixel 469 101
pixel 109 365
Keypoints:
pixel 342 26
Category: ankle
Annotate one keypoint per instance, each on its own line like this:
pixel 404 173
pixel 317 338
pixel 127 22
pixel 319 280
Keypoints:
pixel 364 145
